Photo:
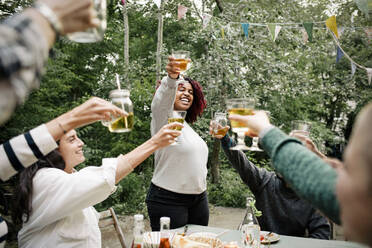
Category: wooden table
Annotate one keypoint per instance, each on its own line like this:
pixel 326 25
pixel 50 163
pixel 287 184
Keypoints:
pixel 285 241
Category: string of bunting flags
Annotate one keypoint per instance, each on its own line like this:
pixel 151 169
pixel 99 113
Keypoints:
pixel 307 33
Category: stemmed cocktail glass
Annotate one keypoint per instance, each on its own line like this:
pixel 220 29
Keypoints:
pixel 240 106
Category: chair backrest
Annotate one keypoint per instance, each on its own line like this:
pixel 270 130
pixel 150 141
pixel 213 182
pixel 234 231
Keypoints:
pixel 108 218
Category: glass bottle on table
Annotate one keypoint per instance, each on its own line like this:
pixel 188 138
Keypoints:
pixel 164 232
pixel 250 229
pixel 138 231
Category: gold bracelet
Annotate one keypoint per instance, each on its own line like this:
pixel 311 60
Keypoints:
pixel 63 130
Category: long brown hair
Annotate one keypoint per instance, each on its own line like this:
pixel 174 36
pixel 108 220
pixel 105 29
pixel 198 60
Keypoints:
pixel 23 195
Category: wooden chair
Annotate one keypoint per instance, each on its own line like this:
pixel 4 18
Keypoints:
pixel 108 218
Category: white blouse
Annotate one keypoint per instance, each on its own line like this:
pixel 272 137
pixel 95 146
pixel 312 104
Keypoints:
pixel 62 213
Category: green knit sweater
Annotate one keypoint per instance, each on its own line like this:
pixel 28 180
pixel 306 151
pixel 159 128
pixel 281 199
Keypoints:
pixel 311 178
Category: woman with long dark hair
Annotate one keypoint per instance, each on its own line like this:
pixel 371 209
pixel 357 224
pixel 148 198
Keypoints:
pixel 178 186
pixel 55 202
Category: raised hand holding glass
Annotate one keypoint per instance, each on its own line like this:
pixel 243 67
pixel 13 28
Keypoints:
pixel 240 106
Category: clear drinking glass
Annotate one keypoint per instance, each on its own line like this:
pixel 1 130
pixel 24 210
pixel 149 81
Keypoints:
pixel 219 124
pixel 182 57
pixel 93 34
pixel 301 128
pixel 177 116
pixel 240 106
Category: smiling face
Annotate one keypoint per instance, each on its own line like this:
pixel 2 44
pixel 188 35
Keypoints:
pixel 354 185
pixel 184 97
pixel 71 149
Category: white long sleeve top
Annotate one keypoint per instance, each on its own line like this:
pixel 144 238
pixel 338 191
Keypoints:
pixel 181 168
pixel 62 213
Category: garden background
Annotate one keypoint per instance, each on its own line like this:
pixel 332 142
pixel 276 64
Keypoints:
pixel 293 79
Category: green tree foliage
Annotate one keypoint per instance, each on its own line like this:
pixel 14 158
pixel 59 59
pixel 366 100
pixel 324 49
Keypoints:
pixel 290 79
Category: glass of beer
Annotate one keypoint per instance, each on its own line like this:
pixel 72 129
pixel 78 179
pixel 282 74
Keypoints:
pixel 182 57
pixel 93 34
pixel 240 106
pixel 301 128
pixel 177 116
pixel 219 124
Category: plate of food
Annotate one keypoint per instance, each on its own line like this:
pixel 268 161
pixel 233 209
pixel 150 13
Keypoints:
pixel 206 238
pixel 268 237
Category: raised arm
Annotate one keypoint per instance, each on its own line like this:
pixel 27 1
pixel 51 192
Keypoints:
pixel 311 177
pixel 25 149
pixel 25 40
pixel 251 175
pixel 164 97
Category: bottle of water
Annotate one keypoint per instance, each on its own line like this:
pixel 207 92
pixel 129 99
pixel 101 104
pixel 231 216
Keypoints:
pixel 138 231
pixel 249 227
pixel 249 210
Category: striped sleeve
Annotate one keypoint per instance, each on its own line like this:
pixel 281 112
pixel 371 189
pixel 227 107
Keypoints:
pixel 24 150
pixel 24 52
pixel 3 232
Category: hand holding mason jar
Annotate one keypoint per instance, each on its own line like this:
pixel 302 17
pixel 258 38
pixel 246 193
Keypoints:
pixel 121 124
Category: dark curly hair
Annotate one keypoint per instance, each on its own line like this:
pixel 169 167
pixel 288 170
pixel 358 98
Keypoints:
pixel 23 196
pixel 198 104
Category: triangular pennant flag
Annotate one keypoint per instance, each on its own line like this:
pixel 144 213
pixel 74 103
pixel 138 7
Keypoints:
pixel 274 30
pixel 305 36
pixel 332 25
pixel 223 33
pixel 353 69
pixel 309 30
pixel 368 32
pixel 158 3
pixel 277 30
pixel 181 11
pixel 339 55
pixel 206 20
pixel 369 73
pixel 245 27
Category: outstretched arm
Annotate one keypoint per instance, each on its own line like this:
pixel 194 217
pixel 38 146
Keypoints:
pixel 25 149
pixel 127 162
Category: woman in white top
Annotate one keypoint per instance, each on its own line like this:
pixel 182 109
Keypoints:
pixel 55 202
pixel 178 186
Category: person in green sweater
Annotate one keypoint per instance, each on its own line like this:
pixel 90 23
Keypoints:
pixel 343 194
